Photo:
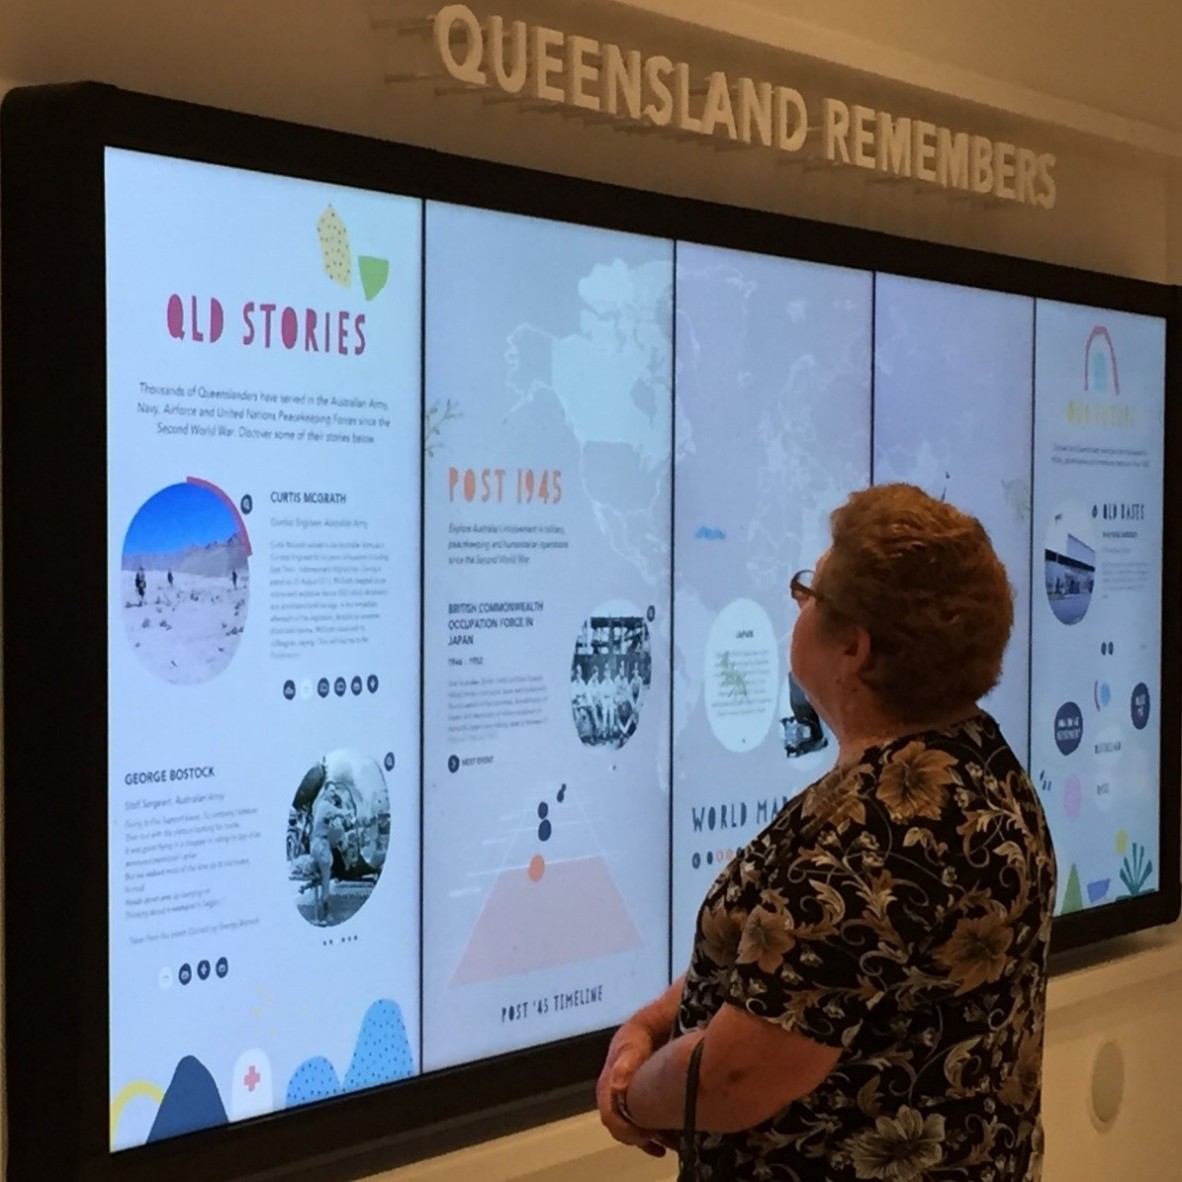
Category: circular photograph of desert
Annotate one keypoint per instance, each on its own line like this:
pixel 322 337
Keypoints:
pixel 185 582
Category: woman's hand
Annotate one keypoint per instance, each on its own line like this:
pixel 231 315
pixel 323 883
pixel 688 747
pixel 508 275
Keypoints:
pixel 632 1046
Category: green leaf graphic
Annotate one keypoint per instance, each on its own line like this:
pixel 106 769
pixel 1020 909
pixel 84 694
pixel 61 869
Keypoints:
pixel 731 677
pixel 1073 897
pixel 1137 872
pixel 374 274
pixel 437 416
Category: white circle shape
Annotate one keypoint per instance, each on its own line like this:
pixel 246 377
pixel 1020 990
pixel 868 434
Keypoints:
pixel 742 675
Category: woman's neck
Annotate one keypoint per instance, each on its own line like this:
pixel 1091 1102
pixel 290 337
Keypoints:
pixel 875 727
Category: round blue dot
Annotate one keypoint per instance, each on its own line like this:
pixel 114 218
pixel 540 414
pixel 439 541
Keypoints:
pixel 544 831
pixel 709 858
pixel 543 809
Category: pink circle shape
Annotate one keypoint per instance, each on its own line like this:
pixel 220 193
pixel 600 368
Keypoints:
pixel 1072 797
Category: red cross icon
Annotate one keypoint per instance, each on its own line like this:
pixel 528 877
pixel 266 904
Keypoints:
pixel 252 1079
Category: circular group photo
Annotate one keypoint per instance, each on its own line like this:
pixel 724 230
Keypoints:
pixel 338 835
pixel 1069 563
pixel 611 669
pixel 185 583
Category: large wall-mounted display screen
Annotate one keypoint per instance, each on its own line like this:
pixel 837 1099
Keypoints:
pixel 1096 596
pixel 445 552
pixel 773 398
pixel 263 426
pixel 549 396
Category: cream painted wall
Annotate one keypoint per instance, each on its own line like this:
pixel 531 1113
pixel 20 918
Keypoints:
pixel 1100 78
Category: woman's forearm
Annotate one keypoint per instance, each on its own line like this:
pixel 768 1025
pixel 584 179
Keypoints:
pixel 750 1070
pixel 659 1015
pixel 656 1096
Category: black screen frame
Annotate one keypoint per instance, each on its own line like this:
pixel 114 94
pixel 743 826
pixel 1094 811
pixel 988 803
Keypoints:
pixel 52 243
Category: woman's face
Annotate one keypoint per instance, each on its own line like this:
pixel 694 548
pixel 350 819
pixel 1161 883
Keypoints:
pixel 815 657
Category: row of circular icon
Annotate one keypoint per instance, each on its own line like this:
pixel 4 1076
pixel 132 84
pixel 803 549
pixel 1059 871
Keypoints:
pixel 324 687
pixel 221 967
pixel 1069 718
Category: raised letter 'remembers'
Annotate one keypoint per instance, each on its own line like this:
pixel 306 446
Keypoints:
pixel 837 131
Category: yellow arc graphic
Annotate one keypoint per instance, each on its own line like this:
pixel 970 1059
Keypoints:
pixel 131 1092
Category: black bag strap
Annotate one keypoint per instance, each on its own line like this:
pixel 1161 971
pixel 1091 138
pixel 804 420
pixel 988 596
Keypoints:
pixel 689 1125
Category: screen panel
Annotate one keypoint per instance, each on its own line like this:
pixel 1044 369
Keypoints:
pixel 548 439
pixel 1096 604
pixel 263 446
pixel 952 414
pixel 773 432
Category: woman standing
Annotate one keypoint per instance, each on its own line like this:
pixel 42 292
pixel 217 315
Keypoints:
pixel 868 979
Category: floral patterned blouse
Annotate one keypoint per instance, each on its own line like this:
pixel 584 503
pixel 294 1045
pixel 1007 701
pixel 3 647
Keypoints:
pixel 899 910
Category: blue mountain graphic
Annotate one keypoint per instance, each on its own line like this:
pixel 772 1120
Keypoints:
pixel 192 1102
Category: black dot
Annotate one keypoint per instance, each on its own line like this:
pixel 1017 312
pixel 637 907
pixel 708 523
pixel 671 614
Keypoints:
pixel 544 831
pixel 543 809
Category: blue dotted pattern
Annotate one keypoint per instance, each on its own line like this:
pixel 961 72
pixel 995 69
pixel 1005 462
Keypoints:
pixel 314 1079
pixel 383 1050
pixel 381 1056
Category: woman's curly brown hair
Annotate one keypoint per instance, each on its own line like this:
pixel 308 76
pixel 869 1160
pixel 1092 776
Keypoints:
pixel 922 578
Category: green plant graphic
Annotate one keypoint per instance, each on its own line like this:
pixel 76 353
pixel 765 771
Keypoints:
pixel 1073 895
pixel 1136 873
pixel 374 274
pixel 433 424
pixel 731 677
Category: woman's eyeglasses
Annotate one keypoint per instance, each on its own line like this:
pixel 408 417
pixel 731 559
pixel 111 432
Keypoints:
pixel 800 587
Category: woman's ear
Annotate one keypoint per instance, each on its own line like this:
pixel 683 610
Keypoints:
pixel 858 649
